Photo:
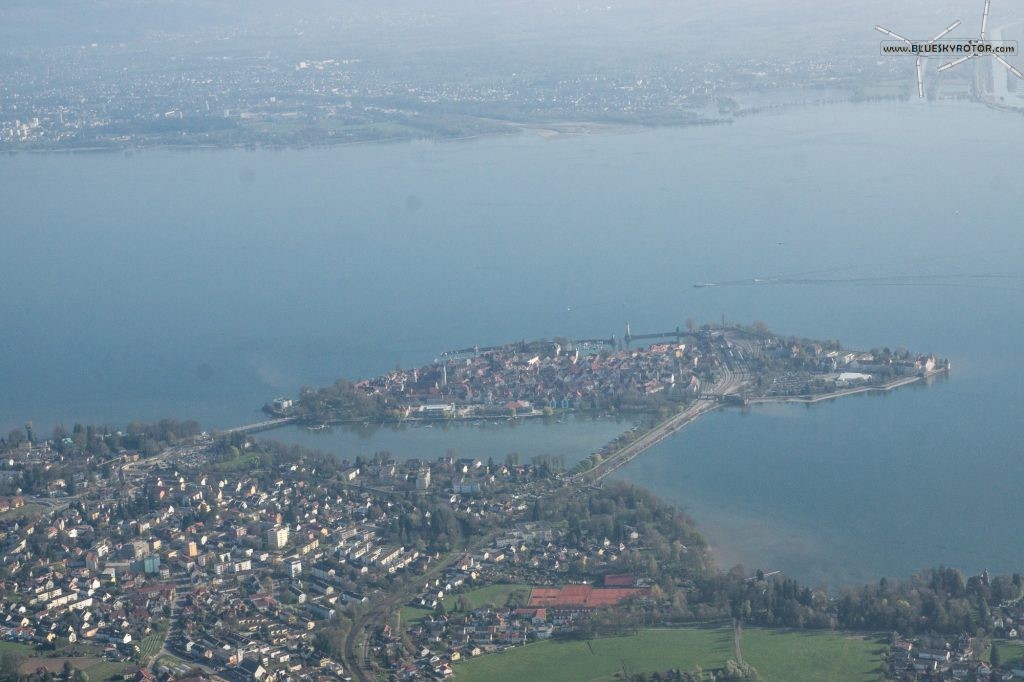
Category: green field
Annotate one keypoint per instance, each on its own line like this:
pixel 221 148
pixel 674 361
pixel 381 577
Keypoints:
pixel 496 595
pixel 105 670
pixel 56 663
pixel 600 659
pixel 411 614
pixel 79 655
pixel 778 655
pixel 1011 652
pixel 795 656
pixel 30 510
pixel 15 647
pixel 243 461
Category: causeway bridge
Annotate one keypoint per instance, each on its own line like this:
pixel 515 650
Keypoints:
pixel 260 426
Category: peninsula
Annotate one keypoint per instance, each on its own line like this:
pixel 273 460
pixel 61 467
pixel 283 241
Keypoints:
pixel 667 378
pixel 161 551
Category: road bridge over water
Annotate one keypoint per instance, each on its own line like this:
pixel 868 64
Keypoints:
pixel 260 426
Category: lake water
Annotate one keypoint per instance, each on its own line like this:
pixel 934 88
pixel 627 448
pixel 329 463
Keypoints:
pixel 202 284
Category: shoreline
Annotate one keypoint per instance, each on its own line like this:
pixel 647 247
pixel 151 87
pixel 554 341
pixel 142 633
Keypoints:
pixel 543 130
pixel 546 130
pixel 274 422
pixel 810 400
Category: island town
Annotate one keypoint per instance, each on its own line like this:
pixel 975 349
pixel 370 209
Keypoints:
pixel 163 551
pixel 542 378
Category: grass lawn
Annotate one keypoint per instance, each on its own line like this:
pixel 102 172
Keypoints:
pixel 15 647
pixel 105 670
pixel 1011 652
pixel 411 614
pixel 30 510
pixel 56 664
pixel 79 655
pixel 482 596
pixel 600 659
pixel 243 461
pixel 778 656
pixel 492 594
pixel 817 656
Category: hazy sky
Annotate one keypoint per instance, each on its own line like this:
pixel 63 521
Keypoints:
pixel 665 24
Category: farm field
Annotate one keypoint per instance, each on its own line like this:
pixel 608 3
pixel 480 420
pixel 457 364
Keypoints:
pixel 815 656
pixel 601 659
pixel 778 656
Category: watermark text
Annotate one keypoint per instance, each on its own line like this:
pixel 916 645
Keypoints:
pixel 950 48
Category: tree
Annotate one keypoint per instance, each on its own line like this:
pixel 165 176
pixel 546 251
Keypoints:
pixel 738 672
pixel 59 433
pixel 994 657
pixel 331 640
pixel 267 583
pixel 16 437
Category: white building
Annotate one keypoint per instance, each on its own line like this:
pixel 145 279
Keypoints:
pixel 277 537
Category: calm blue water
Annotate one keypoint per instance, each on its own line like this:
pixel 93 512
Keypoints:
pixel 200 285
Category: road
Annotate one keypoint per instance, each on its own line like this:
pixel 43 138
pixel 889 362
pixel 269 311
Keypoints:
pixel 729 383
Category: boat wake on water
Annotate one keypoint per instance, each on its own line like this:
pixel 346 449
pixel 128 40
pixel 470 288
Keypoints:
pixel 968 281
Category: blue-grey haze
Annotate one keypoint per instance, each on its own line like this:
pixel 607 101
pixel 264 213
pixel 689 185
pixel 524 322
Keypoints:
pixel 201 284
